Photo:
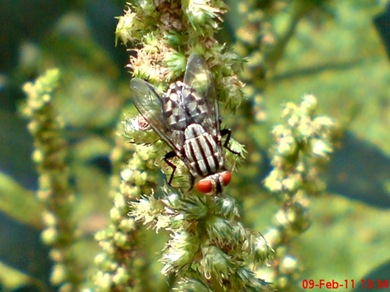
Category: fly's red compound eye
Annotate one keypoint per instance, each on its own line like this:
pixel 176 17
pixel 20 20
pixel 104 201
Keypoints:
pixel 214 183
pixel 226 177
pixel 204 186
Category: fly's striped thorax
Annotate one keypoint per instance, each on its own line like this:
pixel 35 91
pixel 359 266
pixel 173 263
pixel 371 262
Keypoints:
pixel 203 154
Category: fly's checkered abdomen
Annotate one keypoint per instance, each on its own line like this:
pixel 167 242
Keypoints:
pixel 203 153
pixel 174 109
pixel 196 107
pixel 184 106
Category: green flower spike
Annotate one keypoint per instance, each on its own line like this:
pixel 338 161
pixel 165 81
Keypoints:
pixel 54 192
pixel 304 145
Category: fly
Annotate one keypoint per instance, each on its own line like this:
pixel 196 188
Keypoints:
pixel 187 119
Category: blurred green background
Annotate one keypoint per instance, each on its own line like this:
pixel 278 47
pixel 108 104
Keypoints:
pixel 335 53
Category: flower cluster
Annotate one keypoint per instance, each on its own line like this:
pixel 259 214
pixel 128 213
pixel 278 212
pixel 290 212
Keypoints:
pixel 209 248
pixel 208 244
pixel 54 191
pixel 303 146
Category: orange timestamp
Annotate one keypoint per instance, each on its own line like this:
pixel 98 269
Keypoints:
pixel 345 284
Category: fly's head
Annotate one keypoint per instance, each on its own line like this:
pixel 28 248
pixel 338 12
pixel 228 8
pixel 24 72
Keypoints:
pixel 214 183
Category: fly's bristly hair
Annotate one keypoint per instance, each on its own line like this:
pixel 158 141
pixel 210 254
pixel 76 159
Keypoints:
pixel 187 119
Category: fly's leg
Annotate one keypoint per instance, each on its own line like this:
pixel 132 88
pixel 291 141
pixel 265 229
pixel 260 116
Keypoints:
pixel 228 132
pixel 192 182
pixel 168 156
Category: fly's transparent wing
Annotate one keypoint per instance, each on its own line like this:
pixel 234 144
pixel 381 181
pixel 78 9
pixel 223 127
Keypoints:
pixel 198 75
pixel 150 106
pixel 199 78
